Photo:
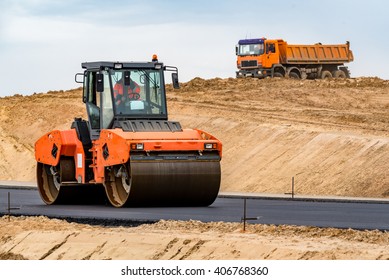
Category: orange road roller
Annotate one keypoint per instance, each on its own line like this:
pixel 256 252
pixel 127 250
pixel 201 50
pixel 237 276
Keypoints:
pixel 128 153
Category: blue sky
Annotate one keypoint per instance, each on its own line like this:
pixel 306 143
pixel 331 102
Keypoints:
pixel 43 42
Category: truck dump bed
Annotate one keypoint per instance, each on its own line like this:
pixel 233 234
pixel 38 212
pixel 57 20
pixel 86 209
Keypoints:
pixel 317 54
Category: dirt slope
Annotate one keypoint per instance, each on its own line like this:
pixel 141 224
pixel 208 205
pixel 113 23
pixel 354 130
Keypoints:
pixel 24 120
pixel 332 136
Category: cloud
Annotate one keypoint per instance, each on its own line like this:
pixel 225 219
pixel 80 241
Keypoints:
pixel 52 49
pixel 43 42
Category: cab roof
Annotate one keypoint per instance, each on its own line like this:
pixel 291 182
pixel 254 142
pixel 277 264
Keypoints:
pixel 121 65
pixel 251 41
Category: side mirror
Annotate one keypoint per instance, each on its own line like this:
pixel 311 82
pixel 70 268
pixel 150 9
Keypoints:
pixel 99 82
pixel 236 49
pixel 79 78
pixel 174 75
pixel 175 82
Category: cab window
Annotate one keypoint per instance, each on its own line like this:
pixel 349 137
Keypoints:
pixel 270 48
pixel 138 92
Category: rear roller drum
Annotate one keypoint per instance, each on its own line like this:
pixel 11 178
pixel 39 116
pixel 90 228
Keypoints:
pixel 52 190
pixel 49 179
pixel 46 186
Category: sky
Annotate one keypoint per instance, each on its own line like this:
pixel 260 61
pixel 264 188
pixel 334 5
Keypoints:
pixel 44 42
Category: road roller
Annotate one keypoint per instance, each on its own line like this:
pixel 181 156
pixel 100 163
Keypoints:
pixel 127 152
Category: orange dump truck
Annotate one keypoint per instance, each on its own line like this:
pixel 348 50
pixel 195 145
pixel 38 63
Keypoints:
pixel 276 58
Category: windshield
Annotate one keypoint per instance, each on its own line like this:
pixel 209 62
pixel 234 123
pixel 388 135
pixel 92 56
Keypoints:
pixel 251 49
pixel 138 92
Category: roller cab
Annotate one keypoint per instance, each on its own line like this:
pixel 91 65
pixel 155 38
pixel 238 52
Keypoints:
pixel 128 153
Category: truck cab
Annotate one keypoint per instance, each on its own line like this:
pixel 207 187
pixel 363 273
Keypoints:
pixel 257 57
pixel 249 54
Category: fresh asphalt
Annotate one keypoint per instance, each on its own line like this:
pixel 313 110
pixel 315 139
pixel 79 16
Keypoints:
pixel 262 209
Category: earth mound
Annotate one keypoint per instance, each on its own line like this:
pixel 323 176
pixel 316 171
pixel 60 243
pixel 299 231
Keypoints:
pixel 330 135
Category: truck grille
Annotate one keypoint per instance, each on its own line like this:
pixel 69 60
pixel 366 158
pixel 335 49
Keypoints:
pixel 249 63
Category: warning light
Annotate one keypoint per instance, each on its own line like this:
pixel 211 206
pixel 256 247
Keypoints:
pixel 155 57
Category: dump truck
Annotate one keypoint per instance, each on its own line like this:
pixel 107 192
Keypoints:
pixel 127 152
pixel 262 58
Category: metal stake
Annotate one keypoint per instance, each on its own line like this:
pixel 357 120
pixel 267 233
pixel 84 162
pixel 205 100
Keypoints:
pixel 244 215
pixel 292 193
pixel 10 208
pixel 244 219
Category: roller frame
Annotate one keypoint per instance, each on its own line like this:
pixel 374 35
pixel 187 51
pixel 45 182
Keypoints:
pixel 196 171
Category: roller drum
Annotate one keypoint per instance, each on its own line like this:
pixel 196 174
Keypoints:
pixel 53 190
pixel 164 183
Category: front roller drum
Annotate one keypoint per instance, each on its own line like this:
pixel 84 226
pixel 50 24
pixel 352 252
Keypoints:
pixel 163 183
pixel 50 181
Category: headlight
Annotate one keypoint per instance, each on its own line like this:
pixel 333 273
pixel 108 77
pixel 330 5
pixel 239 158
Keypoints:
pixel 137 146
pixel 209 146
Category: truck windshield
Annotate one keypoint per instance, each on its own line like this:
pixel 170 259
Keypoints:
pixel 251 49
pixel 138 92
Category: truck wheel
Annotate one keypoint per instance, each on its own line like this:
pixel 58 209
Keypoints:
pixel 326 74
pixel 277 75
pixel 294 75
pixel 339 74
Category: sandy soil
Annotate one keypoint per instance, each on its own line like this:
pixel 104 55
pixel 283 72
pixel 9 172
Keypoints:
pixel 42 238
pixel 332 136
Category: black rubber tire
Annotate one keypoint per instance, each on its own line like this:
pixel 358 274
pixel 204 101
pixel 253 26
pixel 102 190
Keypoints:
pixel 339 74
pixel 278 75
pixel 326 74
pixel 294 75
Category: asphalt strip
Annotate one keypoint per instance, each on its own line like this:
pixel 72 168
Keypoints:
pixel 240 195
